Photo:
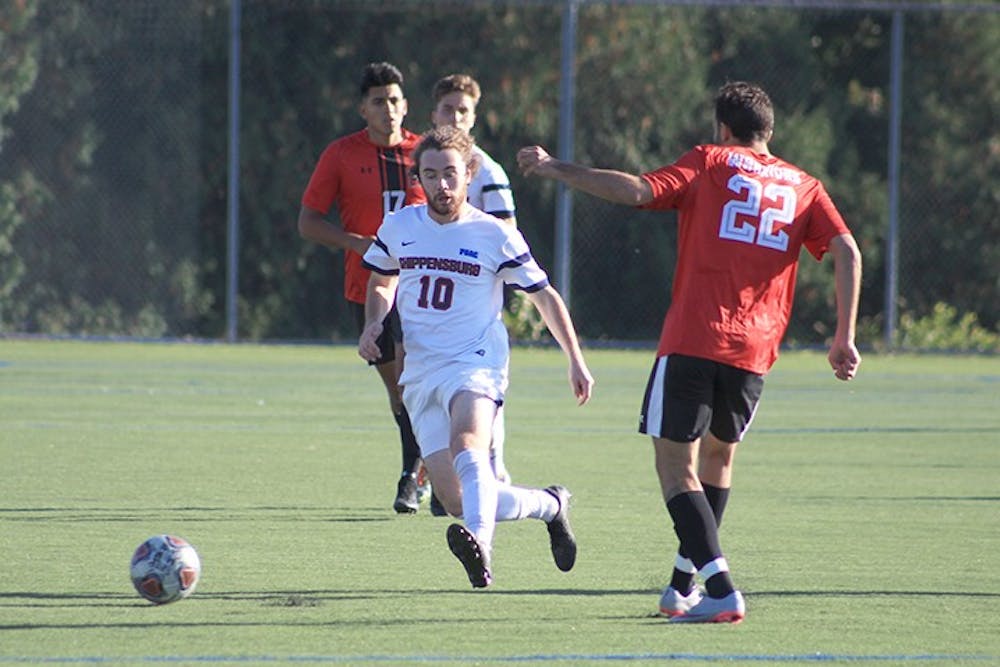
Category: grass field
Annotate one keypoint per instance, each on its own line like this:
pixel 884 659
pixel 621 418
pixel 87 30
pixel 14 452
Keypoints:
pixel 864 525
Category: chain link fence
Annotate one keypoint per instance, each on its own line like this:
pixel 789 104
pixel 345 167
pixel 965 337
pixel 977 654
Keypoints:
pixel 100 169
pixel 114 153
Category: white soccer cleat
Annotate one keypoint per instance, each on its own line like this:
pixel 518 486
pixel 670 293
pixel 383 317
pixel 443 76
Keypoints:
pixel 730 609
pixel 672 603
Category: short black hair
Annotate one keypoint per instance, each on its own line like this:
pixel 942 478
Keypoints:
pixel 746 110
pixel 380 74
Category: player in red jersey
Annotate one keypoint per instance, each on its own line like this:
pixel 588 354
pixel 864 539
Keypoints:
pixel 743 216
pixel 366 175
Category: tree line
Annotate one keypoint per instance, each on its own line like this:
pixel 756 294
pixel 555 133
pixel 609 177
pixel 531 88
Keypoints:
pixel 113 149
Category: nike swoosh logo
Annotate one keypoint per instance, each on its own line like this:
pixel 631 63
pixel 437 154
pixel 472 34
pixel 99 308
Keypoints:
pixel 406 243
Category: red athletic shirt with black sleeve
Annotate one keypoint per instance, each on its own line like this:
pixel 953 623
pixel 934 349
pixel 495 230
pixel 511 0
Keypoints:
pixel 364 181
pixel 743 218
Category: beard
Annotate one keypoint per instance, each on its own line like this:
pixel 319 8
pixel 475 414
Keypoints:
pixel 446 206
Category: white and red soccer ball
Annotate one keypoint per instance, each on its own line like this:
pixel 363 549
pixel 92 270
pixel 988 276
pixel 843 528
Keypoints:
pixel 165 568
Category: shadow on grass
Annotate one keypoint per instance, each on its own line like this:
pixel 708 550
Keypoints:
pixel 985 430
pixel 270 623
pixel 320 597
pixel 146 614
pixel 199 514
pixel 305 597
pixel 124 601
pixel 867 594
pixel 934 499
pixel 298 597
pixel 290 599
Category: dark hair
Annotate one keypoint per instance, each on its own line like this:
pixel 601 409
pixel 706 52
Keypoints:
pixel 746 110
pixel 379 74
pixel 443 138
pixel 456 83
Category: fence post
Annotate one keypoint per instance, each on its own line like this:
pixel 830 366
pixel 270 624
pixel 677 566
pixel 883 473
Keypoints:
pixel 564 196
pixel 233 188
pixel 892 235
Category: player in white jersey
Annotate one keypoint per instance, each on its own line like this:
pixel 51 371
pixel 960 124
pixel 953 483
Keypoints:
pixel 490 188
pixel 456 97
pixel 444 265
pixel 452 274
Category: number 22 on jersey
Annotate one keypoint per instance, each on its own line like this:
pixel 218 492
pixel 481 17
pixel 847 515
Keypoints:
pixel 751 206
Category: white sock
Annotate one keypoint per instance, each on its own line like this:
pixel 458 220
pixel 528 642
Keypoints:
pixel 517 502
pixel 479 493
pixel 685 564
pixel 496 447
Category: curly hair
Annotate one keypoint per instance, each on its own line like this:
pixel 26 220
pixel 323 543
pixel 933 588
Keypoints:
pixel 444 138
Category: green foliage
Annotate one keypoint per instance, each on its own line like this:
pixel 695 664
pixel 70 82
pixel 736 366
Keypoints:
pixel 522 319
pixel 19 66
pixel 308 65
pixel 635 63
pixel 950 231
pixel 113 126
pixel 105 138
pixel 19 193
pixel 944 329
pixel 12 267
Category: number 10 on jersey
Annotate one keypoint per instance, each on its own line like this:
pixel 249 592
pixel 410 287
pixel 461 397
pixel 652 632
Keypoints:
pixel 436 292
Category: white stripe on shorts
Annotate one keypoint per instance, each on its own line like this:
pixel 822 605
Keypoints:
pixel 654 406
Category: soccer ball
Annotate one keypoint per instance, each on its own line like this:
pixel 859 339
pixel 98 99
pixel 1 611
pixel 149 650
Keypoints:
pixel 165 568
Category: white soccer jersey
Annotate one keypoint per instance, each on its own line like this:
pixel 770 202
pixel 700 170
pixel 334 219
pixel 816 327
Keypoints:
pixel 450 291
pixel 490 188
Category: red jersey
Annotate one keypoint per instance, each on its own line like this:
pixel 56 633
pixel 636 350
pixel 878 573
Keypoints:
pixel 743 218
pixel 365 181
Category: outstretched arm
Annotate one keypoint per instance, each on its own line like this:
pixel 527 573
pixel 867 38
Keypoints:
pixel 557 319
pixel 615 186
pixel 843 356
pixel 378 303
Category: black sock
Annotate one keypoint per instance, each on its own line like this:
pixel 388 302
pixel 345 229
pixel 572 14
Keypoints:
pixel 682 581
pixel 695 525
pixel 717 498
pixel 411 451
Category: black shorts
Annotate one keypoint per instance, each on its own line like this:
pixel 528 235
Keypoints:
pixel 392 332
pixel 687 396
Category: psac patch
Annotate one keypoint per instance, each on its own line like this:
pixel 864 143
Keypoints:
pixel 465 252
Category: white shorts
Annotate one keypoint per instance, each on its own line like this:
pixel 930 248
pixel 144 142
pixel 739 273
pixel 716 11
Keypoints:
pixel 427 401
